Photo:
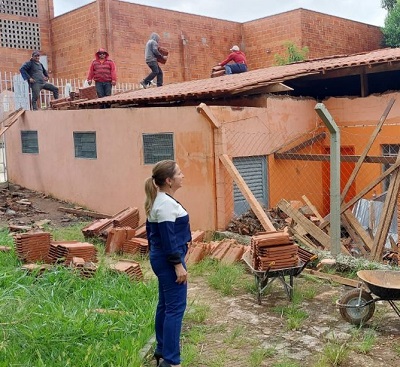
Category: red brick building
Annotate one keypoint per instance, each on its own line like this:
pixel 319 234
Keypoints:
pixel 196 43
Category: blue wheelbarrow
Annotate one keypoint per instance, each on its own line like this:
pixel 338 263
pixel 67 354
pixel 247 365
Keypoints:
pixel 357 306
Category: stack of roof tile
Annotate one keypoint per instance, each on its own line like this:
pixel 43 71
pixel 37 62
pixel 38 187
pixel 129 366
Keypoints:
pixel 129 267
pixel 88 92
pixel 128 217
pixel 272 251
pixel 66 251
pixel 116 238
pixel 141 231
pixel 136 245
pixel 86 268
pixel 217 71
pixel 96 228
pixel 32 247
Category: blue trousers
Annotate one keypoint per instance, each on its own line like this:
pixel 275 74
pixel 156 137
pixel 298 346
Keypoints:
pixel 235 68
pixel 170 309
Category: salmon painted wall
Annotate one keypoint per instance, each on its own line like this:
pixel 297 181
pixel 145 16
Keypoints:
pixel 115 180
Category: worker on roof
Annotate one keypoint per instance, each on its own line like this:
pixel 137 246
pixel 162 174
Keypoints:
pixel 235 62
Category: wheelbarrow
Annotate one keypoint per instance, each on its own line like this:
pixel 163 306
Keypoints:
pixel 358 305
pixel 264 279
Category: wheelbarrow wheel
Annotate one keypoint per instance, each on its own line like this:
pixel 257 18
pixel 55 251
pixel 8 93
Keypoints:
pixel 353 309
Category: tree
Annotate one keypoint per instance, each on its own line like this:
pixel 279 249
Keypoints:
pixel 391 30
pixel 293 54
pixel 388 4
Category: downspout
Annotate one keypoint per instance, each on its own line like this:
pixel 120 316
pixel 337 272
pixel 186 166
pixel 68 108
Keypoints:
pixel 334 131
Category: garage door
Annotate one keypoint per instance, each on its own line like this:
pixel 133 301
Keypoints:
pixel 254 172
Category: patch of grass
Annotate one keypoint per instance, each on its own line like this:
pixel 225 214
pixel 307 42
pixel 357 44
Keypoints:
pixel 227 278
pixel 293 315
pixel 364 343
pixel 286 363
pixel 196 313
pixel 52 319
pixel 70 233
pixel 258 355
pixel 234 335
pixel 396 349
pixel 334 354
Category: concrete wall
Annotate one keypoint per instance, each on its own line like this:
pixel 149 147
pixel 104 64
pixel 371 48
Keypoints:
pixel 115 180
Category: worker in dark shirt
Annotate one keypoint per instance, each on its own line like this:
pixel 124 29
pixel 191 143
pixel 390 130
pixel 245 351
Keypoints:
pixel 37 76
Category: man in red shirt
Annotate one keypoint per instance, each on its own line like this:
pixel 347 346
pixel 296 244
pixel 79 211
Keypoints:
pixel 237 61
pixel 103 71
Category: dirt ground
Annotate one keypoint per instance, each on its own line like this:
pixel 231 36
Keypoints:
pixel 237 326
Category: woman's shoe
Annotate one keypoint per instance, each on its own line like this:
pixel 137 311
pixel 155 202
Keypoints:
pixel 157 357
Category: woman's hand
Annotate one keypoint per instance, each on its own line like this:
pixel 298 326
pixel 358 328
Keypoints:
pixel 181 274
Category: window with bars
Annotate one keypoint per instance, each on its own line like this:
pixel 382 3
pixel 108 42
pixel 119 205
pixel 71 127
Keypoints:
pixel 29 141
pixel 16 34
pixel 389 150
pixel 157 147
pixel 85 145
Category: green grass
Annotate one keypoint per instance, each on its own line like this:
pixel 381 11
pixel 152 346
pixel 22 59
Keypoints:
pixel 51 319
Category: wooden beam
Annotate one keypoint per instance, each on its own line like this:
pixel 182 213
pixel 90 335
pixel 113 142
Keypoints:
pixel 307 143
pixel 386 215
pixel 11 120
pixel 244 189
pixel 357 227
pixel 326 158
pixel 364 191
pixel 313 208
pixel 333 278
pixel 84 213
pixel 309 226
pixel 209 115
pixel 366 149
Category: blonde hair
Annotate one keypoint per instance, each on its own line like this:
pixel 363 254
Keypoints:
pixel 161 171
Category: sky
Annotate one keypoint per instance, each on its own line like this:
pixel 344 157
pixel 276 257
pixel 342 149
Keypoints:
pixel 365 11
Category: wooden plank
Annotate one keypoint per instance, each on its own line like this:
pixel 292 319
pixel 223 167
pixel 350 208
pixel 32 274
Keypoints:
pixel 361 232
pixel 307 143
pixel 326 158
pixel 309 226
pixel 84 213
pixel 244 189
pixel 4 122
pixel 305 241
pixel 9 122
pixel 313 208
pixel 364 191
pixel 354 237
pixel 333 278
pixel 386 216
pixel 366 149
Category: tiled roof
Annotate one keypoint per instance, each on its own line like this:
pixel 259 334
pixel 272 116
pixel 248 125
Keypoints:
pixel 229 85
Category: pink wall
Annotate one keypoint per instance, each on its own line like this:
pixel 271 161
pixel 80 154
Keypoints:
pixel 114 180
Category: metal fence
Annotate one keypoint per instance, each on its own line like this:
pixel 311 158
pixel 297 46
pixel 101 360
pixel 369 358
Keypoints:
pixel 15 92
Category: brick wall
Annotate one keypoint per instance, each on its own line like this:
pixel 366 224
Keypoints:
pixel 196 43
pixel 323 34
pixel 13 58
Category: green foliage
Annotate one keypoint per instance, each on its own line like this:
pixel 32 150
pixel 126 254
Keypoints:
pixel 334 354
pixel 388 4
pixel 226 278
pixel 391 30
pixel 293 54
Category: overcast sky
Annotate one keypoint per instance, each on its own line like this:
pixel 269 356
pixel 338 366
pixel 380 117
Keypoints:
pixel 366 11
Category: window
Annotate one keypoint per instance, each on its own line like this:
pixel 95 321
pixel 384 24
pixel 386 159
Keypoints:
pixel 29 141
pixel 389 150
pixel 85 145
pixel 157 147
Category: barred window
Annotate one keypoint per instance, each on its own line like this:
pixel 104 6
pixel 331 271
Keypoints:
pixel 85 145
pixel 157 147
pixel 29 141
pixel 16 34
pixel 25 8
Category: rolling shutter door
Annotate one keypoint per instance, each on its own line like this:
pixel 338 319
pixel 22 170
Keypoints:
pixel 253 170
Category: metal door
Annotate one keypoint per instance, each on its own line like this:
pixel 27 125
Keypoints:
pixel 254 172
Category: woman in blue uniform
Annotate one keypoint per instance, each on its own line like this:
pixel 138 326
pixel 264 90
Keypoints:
pixel 168 233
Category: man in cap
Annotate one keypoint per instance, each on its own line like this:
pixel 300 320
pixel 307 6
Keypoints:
pixel 37 76
pixel 237 61
pixel 104 72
